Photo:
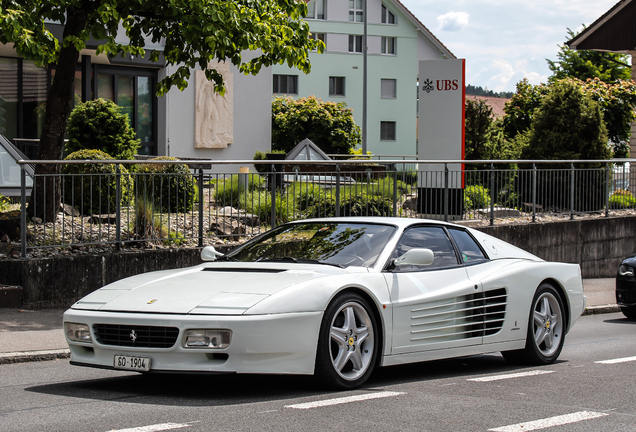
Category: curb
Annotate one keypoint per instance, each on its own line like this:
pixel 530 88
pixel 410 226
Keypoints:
pixel 31 356
pixel 602 309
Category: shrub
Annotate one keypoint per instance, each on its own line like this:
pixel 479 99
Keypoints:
pixel 92 188
pixel 352 205
pixel 305 194
pixel 99 125
pixel 228 192
pixel 384 187
pixel 4 203
pixel 171 186
pixel 259 203
pixel 622 199
pixel 476 197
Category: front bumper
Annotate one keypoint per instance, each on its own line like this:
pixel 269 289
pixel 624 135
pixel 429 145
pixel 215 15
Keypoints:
pixel 626 291
pixel 281 343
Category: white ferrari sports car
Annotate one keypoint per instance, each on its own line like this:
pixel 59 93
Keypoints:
pixel 333 297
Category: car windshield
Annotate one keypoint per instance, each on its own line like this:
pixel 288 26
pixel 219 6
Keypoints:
pixel 334 243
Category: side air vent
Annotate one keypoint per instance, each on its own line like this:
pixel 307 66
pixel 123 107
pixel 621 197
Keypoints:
pixel 242 270
pixel 469 316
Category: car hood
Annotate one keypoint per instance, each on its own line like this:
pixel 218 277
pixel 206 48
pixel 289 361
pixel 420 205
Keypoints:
pixel 211 288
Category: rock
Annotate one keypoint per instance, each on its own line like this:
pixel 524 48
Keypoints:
pixel 410 204
pixel 5 238
pixel 104 219
pixel 240 215
pixel 499 212
pixel 36 220
pixel 15 254
pixel 10 224
pixel 69 210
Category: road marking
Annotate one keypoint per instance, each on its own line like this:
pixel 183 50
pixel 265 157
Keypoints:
pixel 549 422
pixel 344 400
pixel 618 360
pixel 155 428
pixel 507 376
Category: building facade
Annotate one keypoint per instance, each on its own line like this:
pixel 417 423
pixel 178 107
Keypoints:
pixel 396 42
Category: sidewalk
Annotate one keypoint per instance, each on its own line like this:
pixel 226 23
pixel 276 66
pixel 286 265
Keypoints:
pixel 33 335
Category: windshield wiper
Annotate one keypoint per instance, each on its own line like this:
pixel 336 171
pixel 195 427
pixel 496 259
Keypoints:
pixel 299 261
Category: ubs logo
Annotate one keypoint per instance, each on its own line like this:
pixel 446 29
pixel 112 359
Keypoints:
pixel 441 85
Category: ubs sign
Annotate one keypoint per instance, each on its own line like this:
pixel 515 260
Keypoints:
pixel 441 85
pixel 441 134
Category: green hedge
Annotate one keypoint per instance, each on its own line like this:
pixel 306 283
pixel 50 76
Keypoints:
pixel 622 199
pixel 92 188
pixel 171 186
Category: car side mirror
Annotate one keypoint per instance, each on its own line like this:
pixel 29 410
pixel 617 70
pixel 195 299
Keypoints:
pixel 209 253
pixel 417 256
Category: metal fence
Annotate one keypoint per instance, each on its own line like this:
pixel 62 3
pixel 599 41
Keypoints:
pixel 153 204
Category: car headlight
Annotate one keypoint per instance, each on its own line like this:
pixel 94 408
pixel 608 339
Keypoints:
pixel 77 332
pixel 217 339
pixel 626 270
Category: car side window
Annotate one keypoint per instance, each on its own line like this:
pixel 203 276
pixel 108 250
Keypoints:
pixel 470 251
pixel 427 237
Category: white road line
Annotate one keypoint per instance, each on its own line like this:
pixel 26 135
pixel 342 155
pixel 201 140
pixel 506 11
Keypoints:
pixel 155 428
pixel 618 360
pixel 344 400
pixel 507 376
pixel 549 422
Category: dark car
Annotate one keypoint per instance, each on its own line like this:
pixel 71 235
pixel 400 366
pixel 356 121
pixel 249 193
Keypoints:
pixel 626 287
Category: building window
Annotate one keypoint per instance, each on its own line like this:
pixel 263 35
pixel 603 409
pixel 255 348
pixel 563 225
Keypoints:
pixel 132 90
pixel 287 84
pixel 319 36
pixel 23 91
pixel 355 43
pixel 387 131
pixel 388 88
pixel 316 9
pixel 336 86
pixel 356 13
pixel 387 16
pixel 388 45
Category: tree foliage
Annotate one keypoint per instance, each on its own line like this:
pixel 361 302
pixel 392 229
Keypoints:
pixel 484 136
pixel 329 125
pixel 616 101
pixel 585 64
pixel 191 32
pixel 100 125
pixel 567 125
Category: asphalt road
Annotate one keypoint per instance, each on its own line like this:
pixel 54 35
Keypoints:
pixel 479 393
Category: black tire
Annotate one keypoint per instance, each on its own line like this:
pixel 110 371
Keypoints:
pixel 629 312
pixel 348 343
pixel 546 329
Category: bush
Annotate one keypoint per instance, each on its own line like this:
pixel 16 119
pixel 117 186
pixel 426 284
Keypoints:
pixel 171 186
pixel 476 197
pixel 622 199
pixel 99 125
pixel 305 194
pixel 259 203
pixel 228 192
pixel 92 188
pixel 4 203
pixel 329 125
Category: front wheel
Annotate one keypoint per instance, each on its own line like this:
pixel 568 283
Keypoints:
pixel 629 312
pixel 347 344
pixel 546 329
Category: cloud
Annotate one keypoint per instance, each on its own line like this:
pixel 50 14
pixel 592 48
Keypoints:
pixel 453 21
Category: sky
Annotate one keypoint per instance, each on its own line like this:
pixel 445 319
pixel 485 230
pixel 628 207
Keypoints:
pixel 504 41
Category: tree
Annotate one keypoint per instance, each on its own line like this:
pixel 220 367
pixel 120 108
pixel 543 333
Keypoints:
pixel 567 125
pixel 329 125
pixel 193 32
pixel 484 135
pixel 585 64
pixel 616 100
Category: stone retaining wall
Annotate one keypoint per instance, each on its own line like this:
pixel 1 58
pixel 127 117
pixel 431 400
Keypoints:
pixel 598 245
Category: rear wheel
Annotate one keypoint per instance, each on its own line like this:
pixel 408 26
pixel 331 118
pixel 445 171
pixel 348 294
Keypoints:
pixel 546 329
pixel 348 343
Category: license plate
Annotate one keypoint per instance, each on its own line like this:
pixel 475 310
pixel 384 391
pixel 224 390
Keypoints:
pixel 132 363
